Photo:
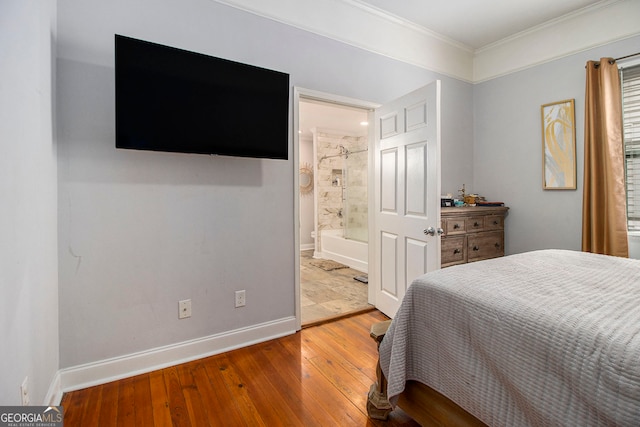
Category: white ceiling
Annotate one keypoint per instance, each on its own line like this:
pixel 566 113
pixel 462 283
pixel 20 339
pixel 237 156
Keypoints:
pixel 477 23
pixel 315 114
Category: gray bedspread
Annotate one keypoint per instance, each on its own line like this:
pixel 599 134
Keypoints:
pixel 543 338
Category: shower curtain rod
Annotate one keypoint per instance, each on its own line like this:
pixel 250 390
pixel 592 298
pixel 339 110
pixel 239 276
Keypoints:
pixel 343 154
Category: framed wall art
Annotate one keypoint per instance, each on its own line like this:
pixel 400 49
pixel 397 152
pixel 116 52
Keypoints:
pixel 559 145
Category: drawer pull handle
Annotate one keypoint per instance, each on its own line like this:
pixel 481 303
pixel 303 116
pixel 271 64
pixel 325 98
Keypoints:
pixel 497 245
pixel 476 248
pixel 496 222
pixel 476 224
pixel 456 251
pixel 456 226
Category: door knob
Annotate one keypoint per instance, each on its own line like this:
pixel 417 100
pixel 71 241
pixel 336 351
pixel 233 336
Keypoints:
pixel 432 231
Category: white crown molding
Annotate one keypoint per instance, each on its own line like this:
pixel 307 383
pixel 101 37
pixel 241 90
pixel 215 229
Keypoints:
pixel 405 23
pixel 542 27
pixel 588 28
pixel 368 28
pixel 364 26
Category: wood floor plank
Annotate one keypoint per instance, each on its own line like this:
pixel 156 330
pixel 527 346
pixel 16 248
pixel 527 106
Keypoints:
pixel 261 390
pixel 93 406
pixel 198 413
pixel 159 400
pixel 343 329
pixel 235 384
pixel 360 355
pixel 74 404
pixel 141 399
pixel 216 395
pixel 317 377
pixel 313 385
pixel 126 408
pixel 176 399
pixel 276 362
pixel 337 410
pixel 350 358
pixel 342 381
pixel 109 405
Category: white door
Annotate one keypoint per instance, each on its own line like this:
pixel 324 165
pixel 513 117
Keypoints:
pixel 407 193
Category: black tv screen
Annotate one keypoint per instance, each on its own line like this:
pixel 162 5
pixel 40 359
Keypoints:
pixel 169 99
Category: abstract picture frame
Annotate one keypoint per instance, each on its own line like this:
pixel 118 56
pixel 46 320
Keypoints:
pixel 559 145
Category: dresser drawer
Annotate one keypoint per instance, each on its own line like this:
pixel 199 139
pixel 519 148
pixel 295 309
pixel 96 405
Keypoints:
pixel 471 233
pixel 452 251
pixel 485 245
pixel 474 223
pixel 493 222
pixel 454 226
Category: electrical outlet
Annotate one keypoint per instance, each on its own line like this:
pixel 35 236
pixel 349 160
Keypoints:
pixel 24 392
pixel 184 309
pixel 241 299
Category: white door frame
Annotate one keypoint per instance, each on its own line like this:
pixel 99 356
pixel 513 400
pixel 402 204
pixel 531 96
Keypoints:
pixel 299 93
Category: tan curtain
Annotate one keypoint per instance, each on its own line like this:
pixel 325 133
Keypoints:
pixel 604 212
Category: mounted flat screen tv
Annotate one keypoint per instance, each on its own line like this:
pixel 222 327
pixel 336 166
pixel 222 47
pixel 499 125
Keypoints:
pixel 169 99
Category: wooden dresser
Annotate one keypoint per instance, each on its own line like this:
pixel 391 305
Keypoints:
pixel 472 233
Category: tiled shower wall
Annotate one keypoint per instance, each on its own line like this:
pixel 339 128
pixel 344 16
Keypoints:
pixel 358 201
pixel 330 180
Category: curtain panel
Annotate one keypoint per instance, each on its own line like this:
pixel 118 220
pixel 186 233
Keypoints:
pixel 604 217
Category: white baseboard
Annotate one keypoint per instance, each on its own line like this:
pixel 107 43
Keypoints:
pixel 104 371
pixel 54 395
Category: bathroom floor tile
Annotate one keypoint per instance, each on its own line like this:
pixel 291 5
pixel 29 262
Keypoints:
pixel 326 294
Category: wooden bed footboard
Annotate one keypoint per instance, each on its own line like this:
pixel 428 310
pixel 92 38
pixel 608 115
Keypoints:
pixel 421 402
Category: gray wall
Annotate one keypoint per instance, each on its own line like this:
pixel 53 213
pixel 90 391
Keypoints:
pixel 28 203
pixel 508 148
pixel 139 231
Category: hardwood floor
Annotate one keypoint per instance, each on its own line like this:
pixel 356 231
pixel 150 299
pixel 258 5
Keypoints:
pixel 317 377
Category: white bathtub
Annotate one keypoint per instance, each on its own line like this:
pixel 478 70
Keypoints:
pixel 346 251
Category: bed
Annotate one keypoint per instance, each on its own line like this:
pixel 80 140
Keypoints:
pixel 541 338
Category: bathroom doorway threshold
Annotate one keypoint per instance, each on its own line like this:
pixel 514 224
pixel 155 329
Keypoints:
pixel 337 317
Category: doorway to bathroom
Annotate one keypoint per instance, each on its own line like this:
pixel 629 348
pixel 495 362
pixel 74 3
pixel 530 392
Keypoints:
pixel 333 154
